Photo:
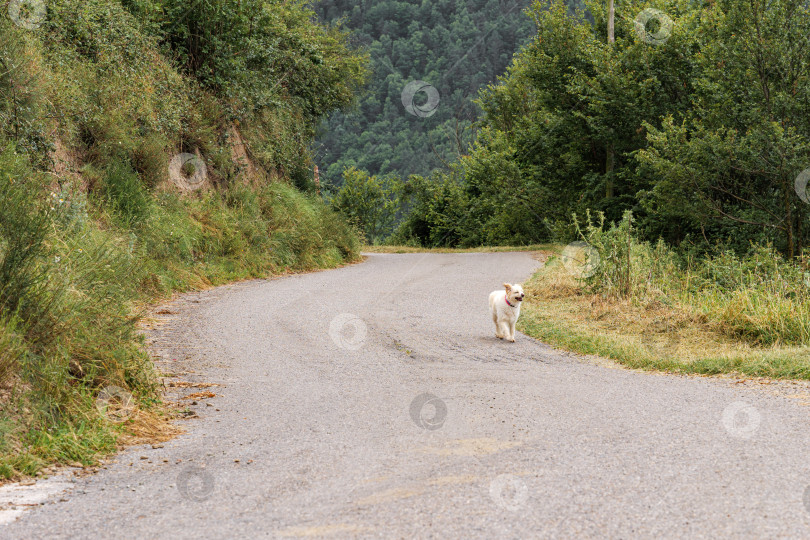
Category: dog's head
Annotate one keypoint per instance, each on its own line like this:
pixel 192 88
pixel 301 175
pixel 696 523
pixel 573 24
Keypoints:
pixel 514 293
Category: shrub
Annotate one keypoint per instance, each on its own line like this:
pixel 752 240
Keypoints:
pixel 125 194
pixel 612 275
pixel 368 202
pixel 150 161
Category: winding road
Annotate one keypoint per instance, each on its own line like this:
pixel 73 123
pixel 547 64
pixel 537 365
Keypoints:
pixel 374 401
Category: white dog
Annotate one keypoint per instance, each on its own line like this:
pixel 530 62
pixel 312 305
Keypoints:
pixel 505 308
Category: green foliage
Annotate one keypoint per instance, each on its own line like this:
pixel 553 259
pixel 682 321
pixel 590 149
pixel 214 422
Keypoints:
pixel 728 168
pixel 95 102
pixel 437 213
pixel 612 270
pixel 240 233
pixel 368 202
pixel 457 47
pixel 64 311
pixel 259 52
pixel 125 194
pixel 541 153
pixel 21 102
pixel 12 349
pixel 700 133
pixel 69 281
pixel 24 227
pixel 758 297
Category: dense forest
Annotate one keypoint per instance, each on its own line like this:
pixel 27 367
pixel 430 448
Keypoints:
pixel 455 47
pixel 696 118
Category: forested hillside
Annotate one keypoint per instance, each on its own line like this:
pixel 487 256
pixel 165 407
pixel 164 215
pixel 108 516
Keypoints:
pixel 700 125
pixel 697 119
pixel 457 47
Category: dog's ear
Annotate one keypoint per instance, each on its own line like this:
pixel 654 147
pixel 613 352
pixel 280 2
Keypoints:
pixel 508 287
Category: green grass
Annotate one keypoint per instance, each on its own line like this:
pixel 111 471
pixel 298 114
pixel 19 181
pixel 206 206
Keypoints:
pixel 91 228
pixel 628 350
pixel 78 269
pixel 653 332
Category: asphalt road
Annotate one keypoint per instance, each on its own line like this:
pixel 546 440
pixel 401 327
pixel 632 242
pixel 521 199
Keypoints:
pixel 375 401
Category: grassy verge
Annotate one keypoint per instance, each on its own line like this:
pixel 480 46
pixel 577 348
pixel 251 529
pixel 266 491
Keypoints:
pixel 674 330
pixel 77 270
pixel 485 249
pixel 103 104
pixel 559 312
pixel 674 321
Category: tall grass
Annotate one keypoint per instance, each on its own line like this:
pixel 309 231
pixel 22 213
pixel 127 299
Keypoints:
pixel 74 269
pixel 90 231
pixel 24 227
pixel 760 297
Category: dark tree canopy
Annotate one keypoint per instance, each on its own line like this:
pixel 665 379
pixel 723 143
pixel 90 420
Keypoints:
pixel 456 46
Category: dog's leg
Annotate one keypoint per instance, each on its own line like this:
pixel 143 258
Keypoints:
pixel 511 332
pixel 498 329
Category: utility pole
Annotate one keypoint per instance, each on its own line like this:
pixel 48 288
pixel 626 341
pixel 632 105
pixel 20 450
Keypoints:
pixel 610 150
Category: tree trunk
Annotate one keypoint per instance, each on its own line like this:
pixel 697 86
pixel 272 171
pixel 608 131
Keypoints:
pixel 786 192
pixel 609 164
pixel 610 151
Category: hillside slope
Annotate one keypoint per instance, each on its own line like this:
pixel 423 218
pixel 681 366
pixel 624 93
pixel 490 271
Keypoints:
pixel 145 148
pixel 455 47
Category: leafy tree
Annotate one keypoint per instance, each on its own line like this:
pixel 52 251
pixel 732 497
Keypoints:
pixel 368 202
pixel 730 167
pixel 707 121
pixel 256 51
pixel 437 213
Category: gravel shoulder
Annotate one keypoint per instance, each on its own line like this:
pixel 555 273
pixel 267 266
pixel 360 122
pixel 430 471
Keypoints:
pixel 374 401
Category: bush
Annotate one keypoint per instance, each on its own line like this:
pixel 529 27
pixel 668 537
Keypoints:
pixel 125 194
pixel 437 213
pixel 613 271
pixel 367 202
